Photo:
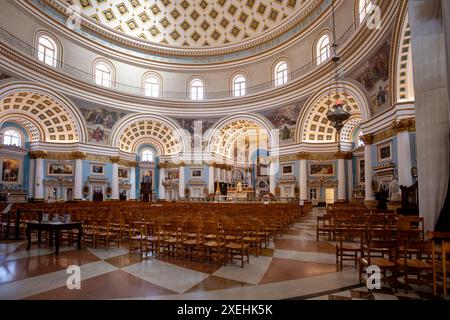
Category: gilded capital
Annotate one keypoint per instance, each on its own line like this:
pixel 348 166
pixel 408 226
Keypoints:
pixel 77 155
pixel 37 154
pixel 404 125
pixel 303 155
pixel 343 155
pixel 114 159
pixel 132 164
pixel 367 138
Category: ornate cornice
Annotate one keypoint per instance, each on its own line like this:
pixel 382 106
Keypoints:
pixel 167 165
pixel 97 158
pixel 324 156
pixel 132 164
pixel 77 155
pixel 288 157
pixel 38 154
pixel 114 159
pixel 404 125
pixel 343 155
pixel 303 155
pixel 367 139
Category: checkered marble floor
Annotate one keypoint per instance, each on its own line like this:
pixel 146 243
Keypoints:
pixel 296 265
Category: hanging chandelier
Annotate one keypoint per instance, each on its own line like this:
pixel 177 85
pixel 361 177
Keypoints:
pixel 336 114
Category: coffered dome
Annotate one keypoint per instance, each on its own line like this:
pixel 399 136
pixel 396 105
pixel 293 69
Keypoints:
pixel 191 23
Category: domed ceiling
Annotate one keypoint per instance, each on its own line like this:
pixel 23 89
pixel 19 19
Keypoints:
pixel 191 23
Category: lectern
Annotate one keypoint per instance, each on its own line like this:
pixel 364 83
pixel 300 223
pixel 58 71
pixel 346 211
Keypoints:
pixel 146 191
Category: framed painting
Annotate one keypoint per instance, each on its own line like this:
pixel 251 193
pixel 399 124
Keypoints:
pixel 287 169
pixel 60 169
pixel 98 169
pixel 196 173
pixel 10 170
pixel 123 173
pixel 321 169
pixel 384 152
pixel 361 171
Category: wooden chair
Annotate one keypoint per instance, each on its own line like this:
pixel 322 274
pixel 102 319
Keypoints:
pixel 323 226
pixel 136 238
pixel 382 254
pixel 252 237
pixel 349 246
pixel 213 245
pixel 192 243
pixel 153 239
pixel 106 235
pixel 237 249
pixel 90 233
pixel 415 260
pixel 440 249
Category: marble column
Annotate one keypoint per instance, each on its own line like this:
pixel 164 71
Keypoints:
pixel 78 182
pixel 342 194
pixel 161 187
pixel 272 177
pixel 303 179
pixel 368 169
pixel 350 178
pixel 217 174
pixel 182 183
pixel 39 176
pixel 404 151
pixel 31 176
pixel 115 178
pixel 211 179
pixel 133 181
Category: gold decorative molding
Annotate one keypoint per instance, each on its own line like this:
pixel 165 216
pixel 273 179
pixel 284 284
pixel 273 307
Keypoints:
pixel 288 157
pixel 343 155
pixel 97 158
pixel 77 155
pixel 164 165
pixel 303 155
pixel 132 164
pixel 38 154
pixel 383 135
pixel 404 125
pixel 114 159
pixel 367 138
pixel 324 156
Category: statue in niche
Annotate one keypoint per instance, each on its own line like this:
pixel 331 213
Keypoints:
pixel 394 190
pixel 239 186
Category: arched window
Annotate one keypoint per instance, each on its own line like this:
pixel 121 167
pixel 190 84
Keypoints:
pixel 103 75
pixel 47 51
pixel 147 156
pixel 239 86
pixel 281 73
pixel 197 89
pixel 152 86
pixel 12 138
pixel 364 7
pixel 323 49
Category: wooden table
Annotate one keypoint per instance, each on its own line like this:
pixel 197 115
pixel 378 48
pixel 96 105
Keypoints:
pixel 54 228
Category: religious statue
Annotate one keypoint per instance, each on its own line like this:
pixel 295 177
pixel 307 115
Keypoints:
pixel 394 190
pixel 374 184
pixel 239 186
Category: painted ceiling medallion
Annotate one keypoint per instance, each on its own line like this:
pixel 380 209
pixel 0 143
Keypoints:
pixel 210 20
